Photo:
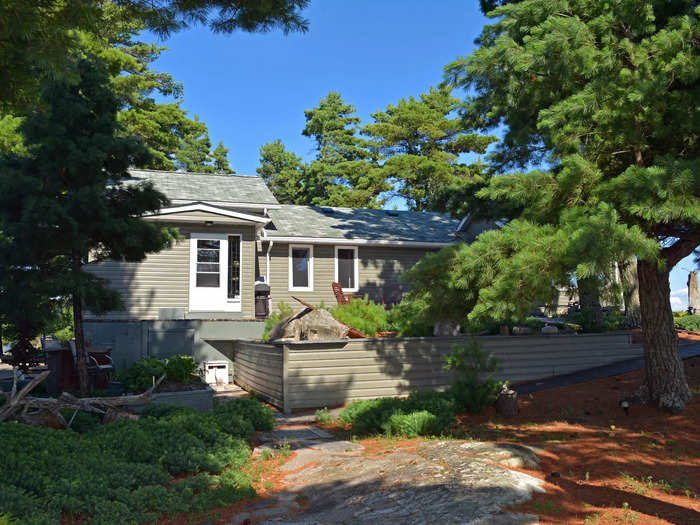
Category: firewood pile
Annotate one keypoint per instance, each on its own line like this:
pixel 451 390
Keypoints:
pixel 46 411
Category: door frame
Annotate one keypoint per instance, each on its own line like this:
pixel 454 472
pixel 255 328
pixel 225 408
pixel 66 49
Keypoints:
pixel 223 304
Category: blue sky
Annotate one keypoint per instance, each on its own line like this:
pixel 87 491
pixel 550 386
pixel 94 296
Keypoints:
pixel 253 89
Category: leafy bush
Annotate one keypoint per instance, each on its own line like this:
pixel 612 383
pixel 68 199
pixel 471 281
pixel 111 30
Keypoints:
pixel 374 416
pixel 362 314
pixel 122 472
pixel 283 311
pixel 258 414
pixel 688 322
pixel 409 319
pixel 472 390
pixel 413 424
pixel 181 368
pixel 140 375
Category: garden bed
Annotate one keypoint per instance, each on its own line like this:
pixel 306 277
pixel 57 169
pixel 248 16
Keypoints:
pixel 198 397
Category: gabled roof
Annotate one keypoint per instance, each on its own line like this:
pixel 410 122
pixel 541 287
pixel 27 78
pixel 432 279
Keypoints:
pixel 207 187
pixel 183 210
pixel 359 224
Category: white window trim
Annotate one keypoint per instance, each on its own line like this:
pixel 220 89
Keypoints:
pixel 309 288
pixel 236 300
pixel 356 259
pixel 230 305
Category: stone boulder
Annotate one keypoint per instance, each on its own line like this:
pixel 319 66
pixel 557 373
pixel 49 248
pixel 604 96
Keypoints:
pixel 309 325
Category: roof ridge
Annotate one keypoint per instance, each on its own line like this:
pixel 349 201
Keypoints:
pixel 195 173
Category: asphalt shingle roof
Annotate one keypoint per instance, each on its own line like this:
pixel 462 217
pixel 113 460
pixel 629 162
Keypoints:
pixel 356 223
pixel 207 187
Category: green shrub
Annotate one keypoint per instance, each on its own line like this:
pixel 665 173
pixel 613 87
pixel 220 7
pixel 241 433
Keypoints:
pixel 408 318
pixel 122 472
pixel 140 375
pixel 472 391
pixel 258 414
pixel 362 314
pixel 421 423
pixel 374 416
pixel 181 368
pixel 688 322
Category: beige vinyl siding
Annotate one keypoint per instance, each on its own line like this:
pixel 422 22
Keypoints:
pixel 331 373
pixel 258 368
pixel 379 268
pixel 162 279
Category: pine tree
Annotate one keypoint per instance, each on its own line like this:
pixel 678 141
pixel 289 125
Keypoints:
pixel 39 38
pixel 283 172
pixel 220 159
pixel 65 201
pixel 606 93
pixel 194 154
pixel 421 140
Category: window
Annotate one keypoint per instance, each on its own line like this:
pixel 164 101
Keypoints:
pixel 346 267
pixel 234 267
pixel 301 268
pixel 208 263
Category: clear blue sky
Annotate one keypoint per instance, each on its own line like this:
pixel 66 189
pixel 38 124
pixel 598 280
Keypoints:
pixel 253 89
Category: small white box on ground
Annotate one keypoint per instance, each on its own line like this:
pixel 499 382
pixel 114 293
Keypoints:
pixel 216 372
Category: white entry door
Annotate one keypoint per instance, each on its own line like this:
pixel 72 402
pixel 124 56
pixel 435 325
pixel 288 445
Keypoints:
pixel 215 272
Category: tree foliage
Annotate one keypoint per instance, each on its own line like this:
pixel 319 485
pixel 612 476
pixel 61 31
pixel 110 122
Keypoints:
pixel 420 141
pixel 39 38
pixel 606 94
pixel 64 202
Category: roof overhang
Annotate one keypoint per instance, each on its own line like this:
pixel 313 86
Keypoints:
pixel 180 213
pixel 229 204
pixel 357 242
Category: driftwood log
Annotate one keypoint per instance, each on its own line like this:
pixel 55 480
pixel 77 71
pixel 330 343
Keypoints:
pixel 46 410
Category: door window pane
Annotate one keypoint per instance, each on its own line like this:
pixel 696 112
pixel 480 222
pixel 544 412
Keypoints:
pixel 300 267
pixel 207 263
pixel 234 267
pixel 346 268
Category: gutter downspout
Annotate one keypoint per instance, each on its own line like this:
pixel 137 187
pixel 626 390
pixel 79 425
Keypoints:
pixel 267 262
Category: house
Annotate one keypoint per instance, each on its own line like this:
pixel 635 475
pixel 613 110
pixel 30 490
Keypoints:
pixel 197 296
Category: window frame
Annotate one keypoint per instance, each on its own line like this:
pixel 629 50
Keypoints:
pixel 239 297
pixel 310 271
pixel 356 267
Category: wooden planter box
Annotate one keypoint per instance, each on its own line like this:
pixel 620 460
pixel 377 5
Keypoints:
pixel 201 400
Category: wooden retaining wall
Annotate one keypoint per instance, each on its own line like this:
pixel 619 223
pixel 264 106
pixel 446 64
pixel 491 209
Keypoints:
pixel 257 368
pixel 330 373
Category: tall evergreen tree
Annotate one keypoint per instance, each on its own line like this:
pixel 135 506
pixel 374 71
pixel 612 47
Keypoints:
pixel 194 151
pixel 421 140
pixel 344 172
pixel 607 93
pixel 65 202
pixel 283 172
pixel 220 159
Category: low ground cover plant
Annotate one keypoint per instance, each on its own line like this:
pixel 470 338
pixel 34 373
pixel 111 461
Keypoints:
pixel 430 413
pixel 123 472
pixel 141 375
pixel 688 322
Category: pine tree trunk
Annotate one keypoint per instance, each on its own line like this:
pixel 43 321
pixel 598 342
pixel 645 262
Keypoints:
pixel 630 292
pixel 665 381
pixel 80 353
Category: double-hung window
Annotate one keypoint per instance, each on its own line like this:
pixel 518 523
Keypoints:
pixel 301 268
pixel 347 268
